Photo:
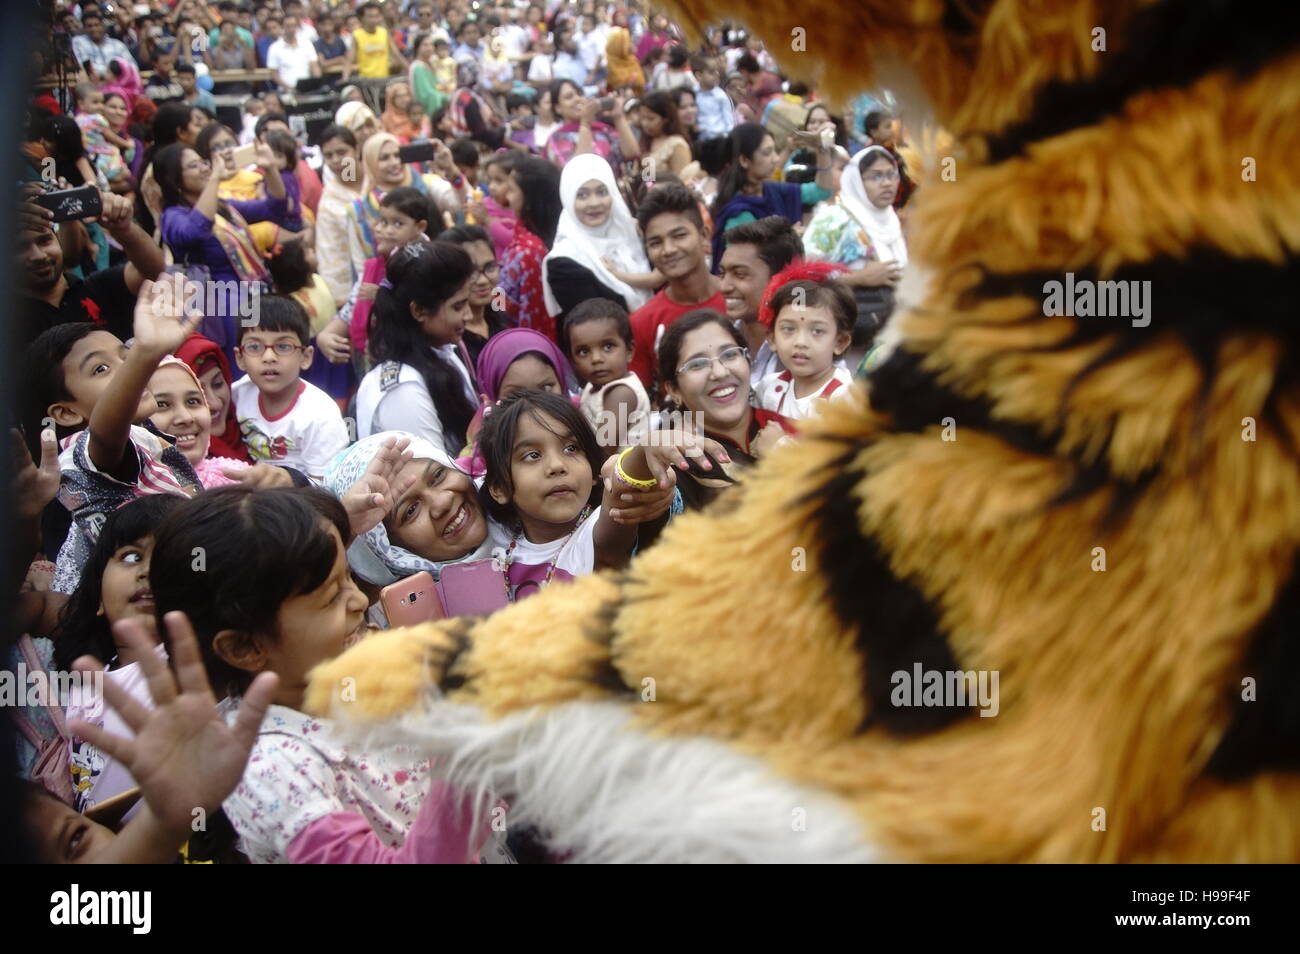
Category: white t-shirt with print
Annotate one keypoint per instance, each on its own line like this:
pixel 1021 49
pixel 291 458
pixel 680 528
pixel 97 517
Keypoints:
pixel 305 437
pixel 776 393
pixel 574 555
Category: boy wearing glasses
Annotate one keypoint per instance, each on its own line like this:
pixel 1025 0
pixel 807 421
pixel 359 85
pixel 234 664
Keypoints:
pixel 284 419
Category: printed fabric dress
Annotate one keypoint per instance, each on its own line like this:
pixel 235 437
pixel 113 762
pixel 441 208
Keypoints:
pixel 521 281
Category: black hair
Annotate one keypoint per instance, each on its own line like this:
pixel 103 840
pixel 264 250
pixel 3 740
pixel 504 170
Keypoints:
pixel 186 68
pixel 168 170
pixel 425 274
pixel 464 153
pixel 465 234
pixel 702 62
pixel 539 180
pixel 82 630
pixel 285 145
pixel 664 104
pixel 266 119
pixel 874 118
pixel 669 197
pixel 278 313
pixel 515 100
pixel 744 140
pixel 497 439
pixel 259 549
pixel 506 160
pixel 774 238
pixel 335 131
pixel 557 86
pixel 466 24
pixel 203 142
pixel 90 15
pixel 411 202
pixel 596 309
pixel 677 56
pixel 670 345
pixel 289 268
pixel 64 132
pixel 834 295
pixel 170 119
pixel 748 63
pixel 44 383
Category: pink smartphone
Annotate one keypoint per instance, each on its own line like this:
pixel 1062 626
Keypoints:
pixel 472 589
pixel 412 601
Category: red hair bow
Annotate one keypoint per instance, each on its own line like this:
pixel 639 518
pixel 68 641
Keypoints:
pixel 798 270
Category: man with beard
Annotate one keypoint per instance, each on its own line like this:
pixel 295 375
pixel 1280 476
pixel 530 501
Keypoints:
pixel 676 243
pixel 106 298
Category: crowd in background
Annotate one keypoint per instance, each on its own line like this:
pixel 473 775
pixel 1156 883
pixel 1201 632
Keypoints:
pixel 548 277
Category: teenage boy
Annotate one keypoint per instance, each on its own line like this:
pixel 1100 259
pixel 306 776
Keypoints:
pixel 755 252
pixel 676 243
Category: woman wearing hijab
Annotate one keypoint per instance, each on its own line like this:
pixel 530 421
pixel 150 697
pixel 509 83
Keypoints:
pixel 384 171
pixel 412 537
pixel 210 365
pixel 397 112
pixel 596 231
pixel 357 118
pixel 861 231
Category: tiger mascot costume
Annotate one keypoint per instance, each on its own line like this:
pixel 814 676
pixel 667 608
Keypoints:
pixel 1103 511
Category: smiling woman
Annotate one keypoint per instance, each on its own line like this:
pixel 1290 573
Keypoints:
pixel 437 521
pixel 596 235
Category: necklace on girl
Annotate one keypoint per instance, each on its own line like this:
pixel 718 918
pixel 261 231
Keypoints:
pixel 550 568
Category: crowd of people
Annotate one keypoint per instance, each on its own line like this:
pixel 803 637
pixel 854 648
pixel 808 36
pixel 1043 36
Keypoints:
pixel 552 277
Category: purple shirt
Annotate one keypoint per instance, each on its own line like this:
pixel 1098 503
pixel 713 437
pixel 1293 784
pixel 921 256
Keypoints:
pixel 188 233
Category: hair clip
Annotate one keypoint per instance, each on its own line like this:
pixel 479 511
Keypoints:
pixel 385 283
pixel 798 270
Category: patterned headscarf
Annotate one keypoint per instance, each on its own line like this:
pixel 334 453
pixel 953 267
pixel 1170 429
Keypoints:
pixel 374 557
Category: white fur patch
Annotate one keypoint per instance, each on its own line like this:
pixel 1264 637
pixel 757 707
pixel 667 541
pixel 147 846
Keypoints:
pixel 604 791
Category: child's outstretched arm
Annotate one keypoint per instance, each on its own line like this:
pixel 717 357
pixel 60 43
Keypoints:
pixel 160 327
pixel 183 757
pixel 639 487
pixel 646 281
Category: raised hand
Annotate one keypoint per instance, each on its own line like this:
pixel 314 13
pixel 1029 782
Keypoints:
pixel 161 324
pixel 369 500
pixel 34 487
pixel 183 756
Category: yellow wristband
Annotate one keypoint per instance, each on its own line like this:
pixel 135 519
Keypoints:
pixel 631 481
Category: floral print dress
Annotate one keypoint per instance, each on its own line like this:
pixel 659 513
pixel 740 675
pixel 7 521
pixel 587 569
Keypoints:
pixel 521 281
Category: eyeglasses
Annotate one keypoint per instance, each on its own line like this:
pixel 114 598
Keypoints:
pixel 282 348
pixel 734 355
pixel 488 271
pixel 878 177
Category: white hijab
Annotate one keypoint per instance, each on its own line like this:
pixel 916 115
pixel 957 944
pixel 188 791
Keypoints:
pixel 617 240
pixel 881 225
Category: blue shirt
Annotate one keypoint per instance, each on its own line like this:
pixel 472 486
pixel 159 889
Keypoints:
pixel 716 115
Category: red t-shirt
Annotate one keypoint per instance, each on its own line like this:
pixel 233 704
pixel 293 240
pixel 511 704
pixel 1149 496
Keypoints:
pixel 659 312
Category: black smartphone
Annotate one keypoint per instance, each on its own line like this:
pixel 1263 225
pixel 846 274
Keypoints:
pixel 607 103
pixel 68 204
pixel 416 152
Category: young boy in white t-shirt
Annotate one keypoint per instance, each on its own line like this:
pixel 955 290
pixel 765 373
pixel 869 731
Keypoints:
pixel 812 326
pixel 284 419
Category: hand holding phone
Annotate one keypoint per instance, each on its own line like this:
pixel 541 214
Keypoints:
pixel 412 601
pixel 68 204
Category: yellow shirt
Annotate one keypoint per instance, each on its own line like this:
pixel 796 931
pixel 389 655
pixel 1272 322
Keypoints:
pixel 372 52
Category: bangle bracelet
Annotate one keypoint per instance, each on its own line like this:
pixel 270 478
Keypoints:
pixel 631 481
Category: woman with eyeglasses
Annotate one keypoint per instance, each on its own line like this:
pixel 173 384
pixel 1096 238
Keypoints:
pixel 206 232
pixel 485 320
pixel 705 367
pixel 861 231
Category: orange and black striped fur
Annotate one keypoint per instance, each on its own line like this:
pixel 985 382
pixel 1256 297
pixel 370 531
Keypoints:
pixel 1171 452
